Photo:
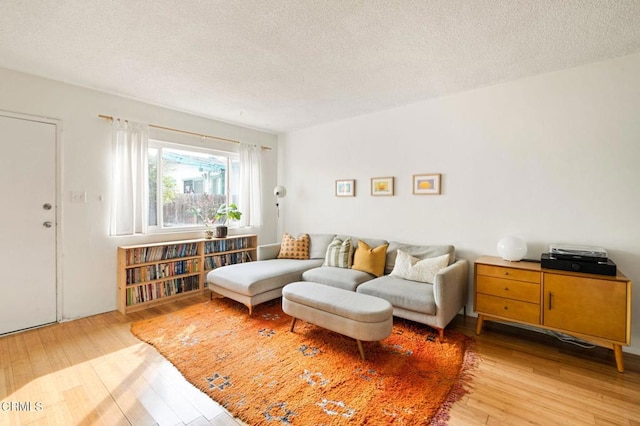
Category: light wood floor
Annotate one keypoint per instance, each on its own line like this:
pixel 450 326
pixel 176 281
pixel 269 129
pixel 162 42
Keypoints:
pixel 93 371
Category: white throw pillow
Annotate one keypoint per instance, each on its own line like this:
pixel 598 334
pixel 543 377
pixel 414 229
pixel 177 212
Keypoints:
pixel 423 270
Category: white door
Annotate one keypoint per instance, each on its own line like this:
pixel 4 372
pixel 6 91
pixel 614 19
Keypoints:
pixel 27 223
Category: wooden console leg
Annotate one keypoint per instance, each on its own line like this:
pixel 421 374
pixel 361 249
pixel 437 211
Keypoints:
pixel 617 351
pixel 479 323
pixel 293 323
pixel 360 349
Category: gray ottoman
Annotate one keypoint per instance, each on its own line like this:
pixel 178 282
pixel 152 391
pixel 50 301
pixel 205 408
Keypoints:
pixel 356 315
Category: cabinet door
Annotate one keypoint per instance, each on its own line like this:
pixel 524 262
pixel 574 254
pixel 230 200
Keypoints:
pixel 589 306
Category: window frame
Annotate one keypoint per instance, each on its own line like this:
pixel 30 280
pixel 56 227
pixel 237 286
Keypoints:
pixel 159 144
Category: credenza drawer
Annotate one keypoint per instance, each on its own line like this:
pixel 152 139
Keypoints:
pixel 508 308
pixel 508 273
pixel 517 290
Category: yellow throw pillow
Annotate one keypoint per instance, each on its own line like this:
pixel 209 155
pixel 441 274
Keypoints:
pixel 370 260
pixel 294 248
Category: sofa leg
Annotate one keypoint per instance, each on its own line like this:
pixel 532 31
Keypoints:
pixel 293 324
pixel 250 310
pixel 213 294
pixel 360 349
pixel 441 332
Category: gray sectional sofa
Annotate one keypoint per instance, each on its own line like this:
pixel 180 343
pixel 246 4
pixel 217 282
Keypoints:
pixel 434 304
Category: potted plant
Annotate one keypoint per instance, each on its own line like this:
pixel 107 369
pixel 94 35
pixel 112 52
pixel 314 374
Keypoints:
pixel 224 213
pixel 207 221
pixel 201 206
pixel 208 224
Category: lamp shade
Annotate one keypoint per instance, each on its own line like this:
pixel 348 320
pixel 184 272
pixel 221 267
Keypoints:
pixel 280 191
pixel 512 248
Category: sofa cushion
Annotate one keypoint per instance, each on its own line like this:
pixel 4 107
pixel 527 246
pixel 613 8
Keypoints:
pixel 347 279
pixel 318 244
pixel 422 270
pixel 294 248
pixel 339 253
pixel 368 259
pixel 401 293
pixel 254 278
pixel 372 242
pixel 421 252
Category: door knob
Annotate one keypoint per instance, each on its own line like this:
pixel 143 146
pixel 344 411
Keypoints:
pixel 46 206
pixel 47 224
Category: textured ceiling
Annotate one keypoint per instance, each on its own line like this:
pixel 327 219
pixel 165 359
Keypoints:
pixel 281 65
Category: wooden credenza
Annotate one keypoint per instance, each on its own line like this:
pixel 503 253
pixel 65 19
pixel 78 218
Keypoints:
pixel 594 308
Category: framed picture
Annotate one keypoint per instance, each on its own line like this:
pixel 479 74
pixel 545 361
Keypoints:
pixel 382 186
pixel 346 188
pixel 426 184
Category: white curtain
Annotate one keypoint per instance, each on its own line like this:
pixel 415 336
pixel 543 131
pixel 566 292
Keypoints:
pixel 129 191
pixel 250 185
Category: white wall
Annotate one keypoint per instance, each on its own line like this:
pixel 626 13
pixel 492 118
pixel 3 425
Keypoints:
pixel 88 254
pixel 553 158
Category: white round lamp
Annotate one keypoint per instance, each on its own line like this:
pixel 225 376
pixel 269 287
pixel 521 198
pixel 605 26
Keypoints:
pixel 512 248
pixel 280 191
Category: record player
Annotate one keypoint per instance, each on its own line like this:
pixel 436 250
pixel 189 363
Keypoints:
pixel 583 253
pixel 586 259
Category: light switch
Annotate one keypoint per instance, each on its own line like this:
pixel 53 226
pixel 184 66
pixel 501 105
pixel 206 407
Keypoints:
pixel 78 196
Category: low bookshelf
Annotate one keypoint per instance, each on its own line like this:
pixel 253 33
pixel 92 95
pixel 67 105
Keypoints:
pixel 157 273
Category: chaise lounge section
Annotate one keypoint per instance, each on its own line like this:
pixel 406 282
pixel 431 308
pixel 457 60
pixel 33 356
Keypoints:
pixel 257 282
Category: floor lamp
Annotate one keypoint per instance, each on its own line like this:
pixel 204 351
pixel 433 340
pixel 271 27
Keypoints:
pixel 280 192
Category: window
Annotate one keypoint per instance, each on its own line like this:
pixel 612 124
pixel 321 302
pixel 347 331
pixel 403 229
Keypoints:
pixel 188 184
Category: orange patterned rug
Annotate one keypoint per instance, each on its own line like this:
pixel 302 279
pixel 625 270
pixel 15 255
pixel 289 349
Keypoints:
pixel 264 374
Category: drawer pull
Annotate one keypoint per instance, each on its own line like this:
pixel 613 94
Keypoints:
pixel 506 273
pixel 506 308
pixel 506 289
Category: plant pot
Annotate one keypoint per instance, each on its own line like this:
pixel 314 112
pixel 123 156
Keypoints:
pixel 221 231
pixel 208 234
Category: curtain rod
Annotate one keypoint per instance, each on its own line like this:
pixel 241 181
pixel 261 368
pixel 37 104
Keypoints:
pixel 171 129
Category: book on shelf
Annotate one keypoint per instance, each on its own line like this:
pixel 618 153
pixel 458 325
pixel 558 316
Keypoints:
pixel 156 253
pixel 212 262
pixel 228 244
pixel 151 291
pixel 162 270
